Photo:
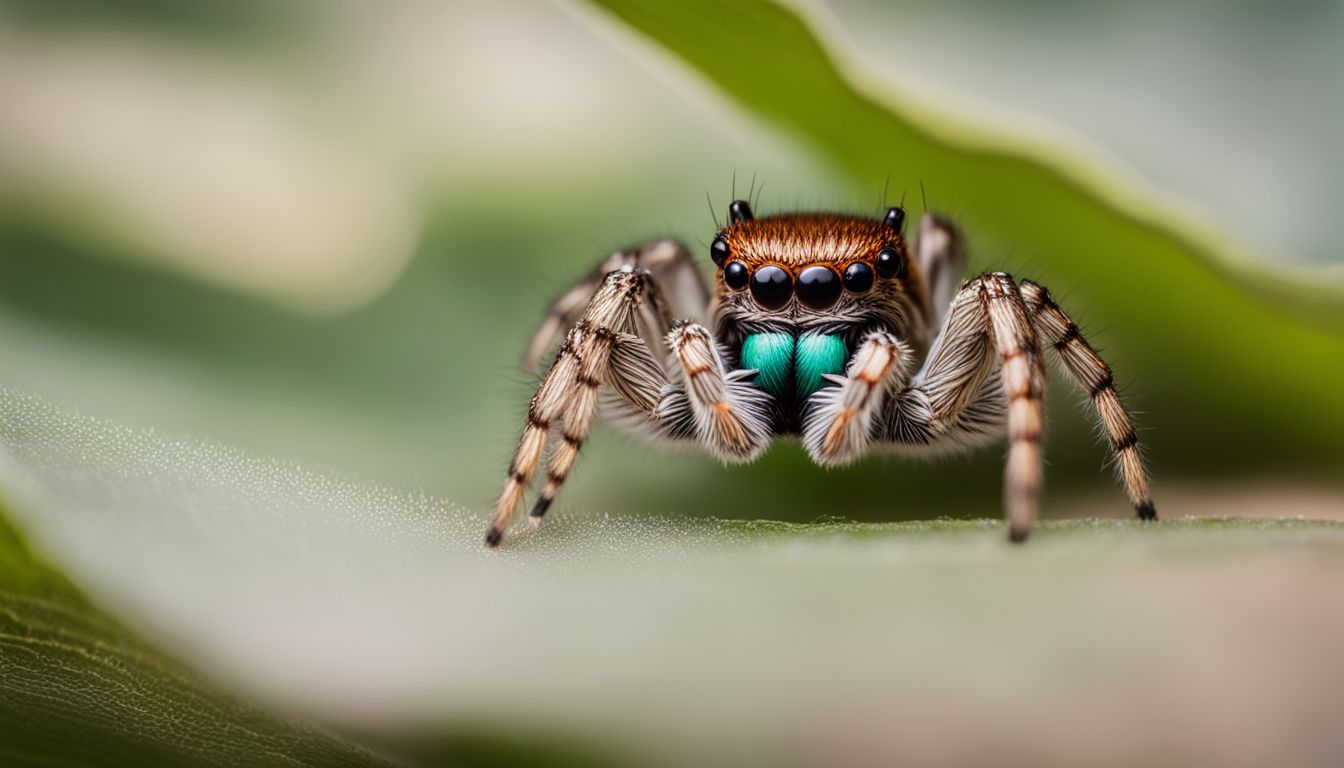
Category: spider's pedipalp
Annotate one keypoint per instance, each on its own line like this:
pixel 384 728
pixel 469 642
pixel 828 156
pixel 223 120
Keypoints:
pixel 1094 376
pixel 838 426
pixel 729 412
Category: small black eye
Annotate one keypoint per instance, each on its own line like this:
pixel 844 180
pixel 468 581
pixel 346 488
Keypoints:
pixel 890 263
pixel 735 275
pixel 818 287
pixel 858 278
pixel 718 251
pixel 895 218
pixel 771 287
pixel 739 211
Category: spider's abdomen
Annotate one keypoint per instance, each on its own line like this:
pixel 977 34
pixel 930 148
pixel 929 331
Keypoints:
pixel 792 367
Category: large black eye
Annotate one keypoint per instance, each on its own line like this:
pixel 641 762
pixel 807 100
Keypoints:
pixel 858 277
pixel 771 287
pixel 736 275
pixel 818 287
pixel 718 251
pixel 890 263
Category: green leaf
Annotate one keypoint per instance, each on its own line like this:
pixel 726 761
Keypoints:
pixel 1212 345
pixel 635 639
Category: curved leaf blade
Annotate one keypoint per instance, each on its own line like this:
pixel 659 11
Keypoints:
pixel 1179 321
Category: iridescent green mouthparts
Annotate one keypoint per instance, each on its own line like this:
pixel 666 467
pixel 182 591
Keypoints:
pixel 793 364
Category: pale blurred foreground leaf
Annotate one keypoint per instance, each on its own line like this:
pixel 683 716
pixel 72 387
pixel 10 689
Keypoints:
pixel 77 689
pixel 656 640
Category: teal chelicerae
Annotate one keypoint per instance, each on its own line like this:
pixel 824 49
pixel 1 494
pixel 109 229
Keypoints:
pixel 793 365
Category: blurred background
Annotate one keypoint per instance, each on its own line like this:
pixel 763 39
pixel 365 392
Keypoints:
pixel 323 231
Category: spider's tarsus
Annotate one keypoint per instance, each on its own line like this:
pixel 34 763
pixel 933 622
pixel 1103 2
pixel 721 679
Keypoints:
pixel 1147 511
pixel 1017 534
pixel 539 509
pixel 493 537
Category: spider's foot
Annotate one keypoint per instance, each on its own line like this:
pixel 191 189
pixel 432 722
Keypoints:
pixel 1018 533
pixel 1147 511
pixel 493 536
pixel 538 511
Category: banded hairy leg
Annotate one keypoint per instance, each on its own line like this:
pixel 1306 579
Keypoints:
pixel 1086 368
pixel 605 350
pixel 566 399
pixel 986 339
pixel 942 260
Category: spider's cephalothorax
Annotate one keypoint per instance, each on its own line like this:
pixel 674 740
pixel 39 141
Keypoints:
pixel 823 328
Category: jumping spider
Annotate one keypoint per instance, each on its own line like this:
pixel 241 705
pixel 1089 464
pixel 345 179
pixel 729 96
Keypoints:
pixel 823 330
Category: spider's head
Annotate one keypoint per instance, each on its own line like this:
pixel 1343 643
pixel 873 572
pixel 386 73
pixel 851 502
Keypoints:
pixel 811 270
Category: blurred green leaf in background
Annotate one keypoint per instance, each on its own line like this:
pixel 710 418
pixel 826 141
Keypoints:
pixel 322 232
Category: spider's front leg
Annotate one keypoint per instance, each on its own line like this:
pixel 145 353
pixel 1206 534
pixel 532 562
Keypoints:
pixel 838 425
pixel 604 350
pixel 951 401
pixel 566 399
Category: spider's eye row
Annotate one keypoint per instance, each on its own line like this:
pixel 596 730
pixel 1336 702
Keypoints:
pixel 736 275
pixel 818 287
pixel 771 286
pixel 890 263
pixel 718 251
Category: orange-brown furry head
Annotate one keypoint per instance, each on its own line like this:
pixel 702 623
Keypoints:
pixel 795 240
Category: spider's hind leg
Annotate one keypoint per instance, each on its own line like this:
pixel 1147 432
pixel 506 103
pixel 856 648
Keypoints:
pixel 1093 375
pixel 667 261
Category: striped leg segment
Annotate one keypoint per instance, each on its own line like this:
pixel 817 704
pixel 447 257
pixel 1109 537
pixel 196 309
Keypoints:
pixel 567 397
pixel 729 413
pixel 839 425
pixel 1023 374
pixel 1093 375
